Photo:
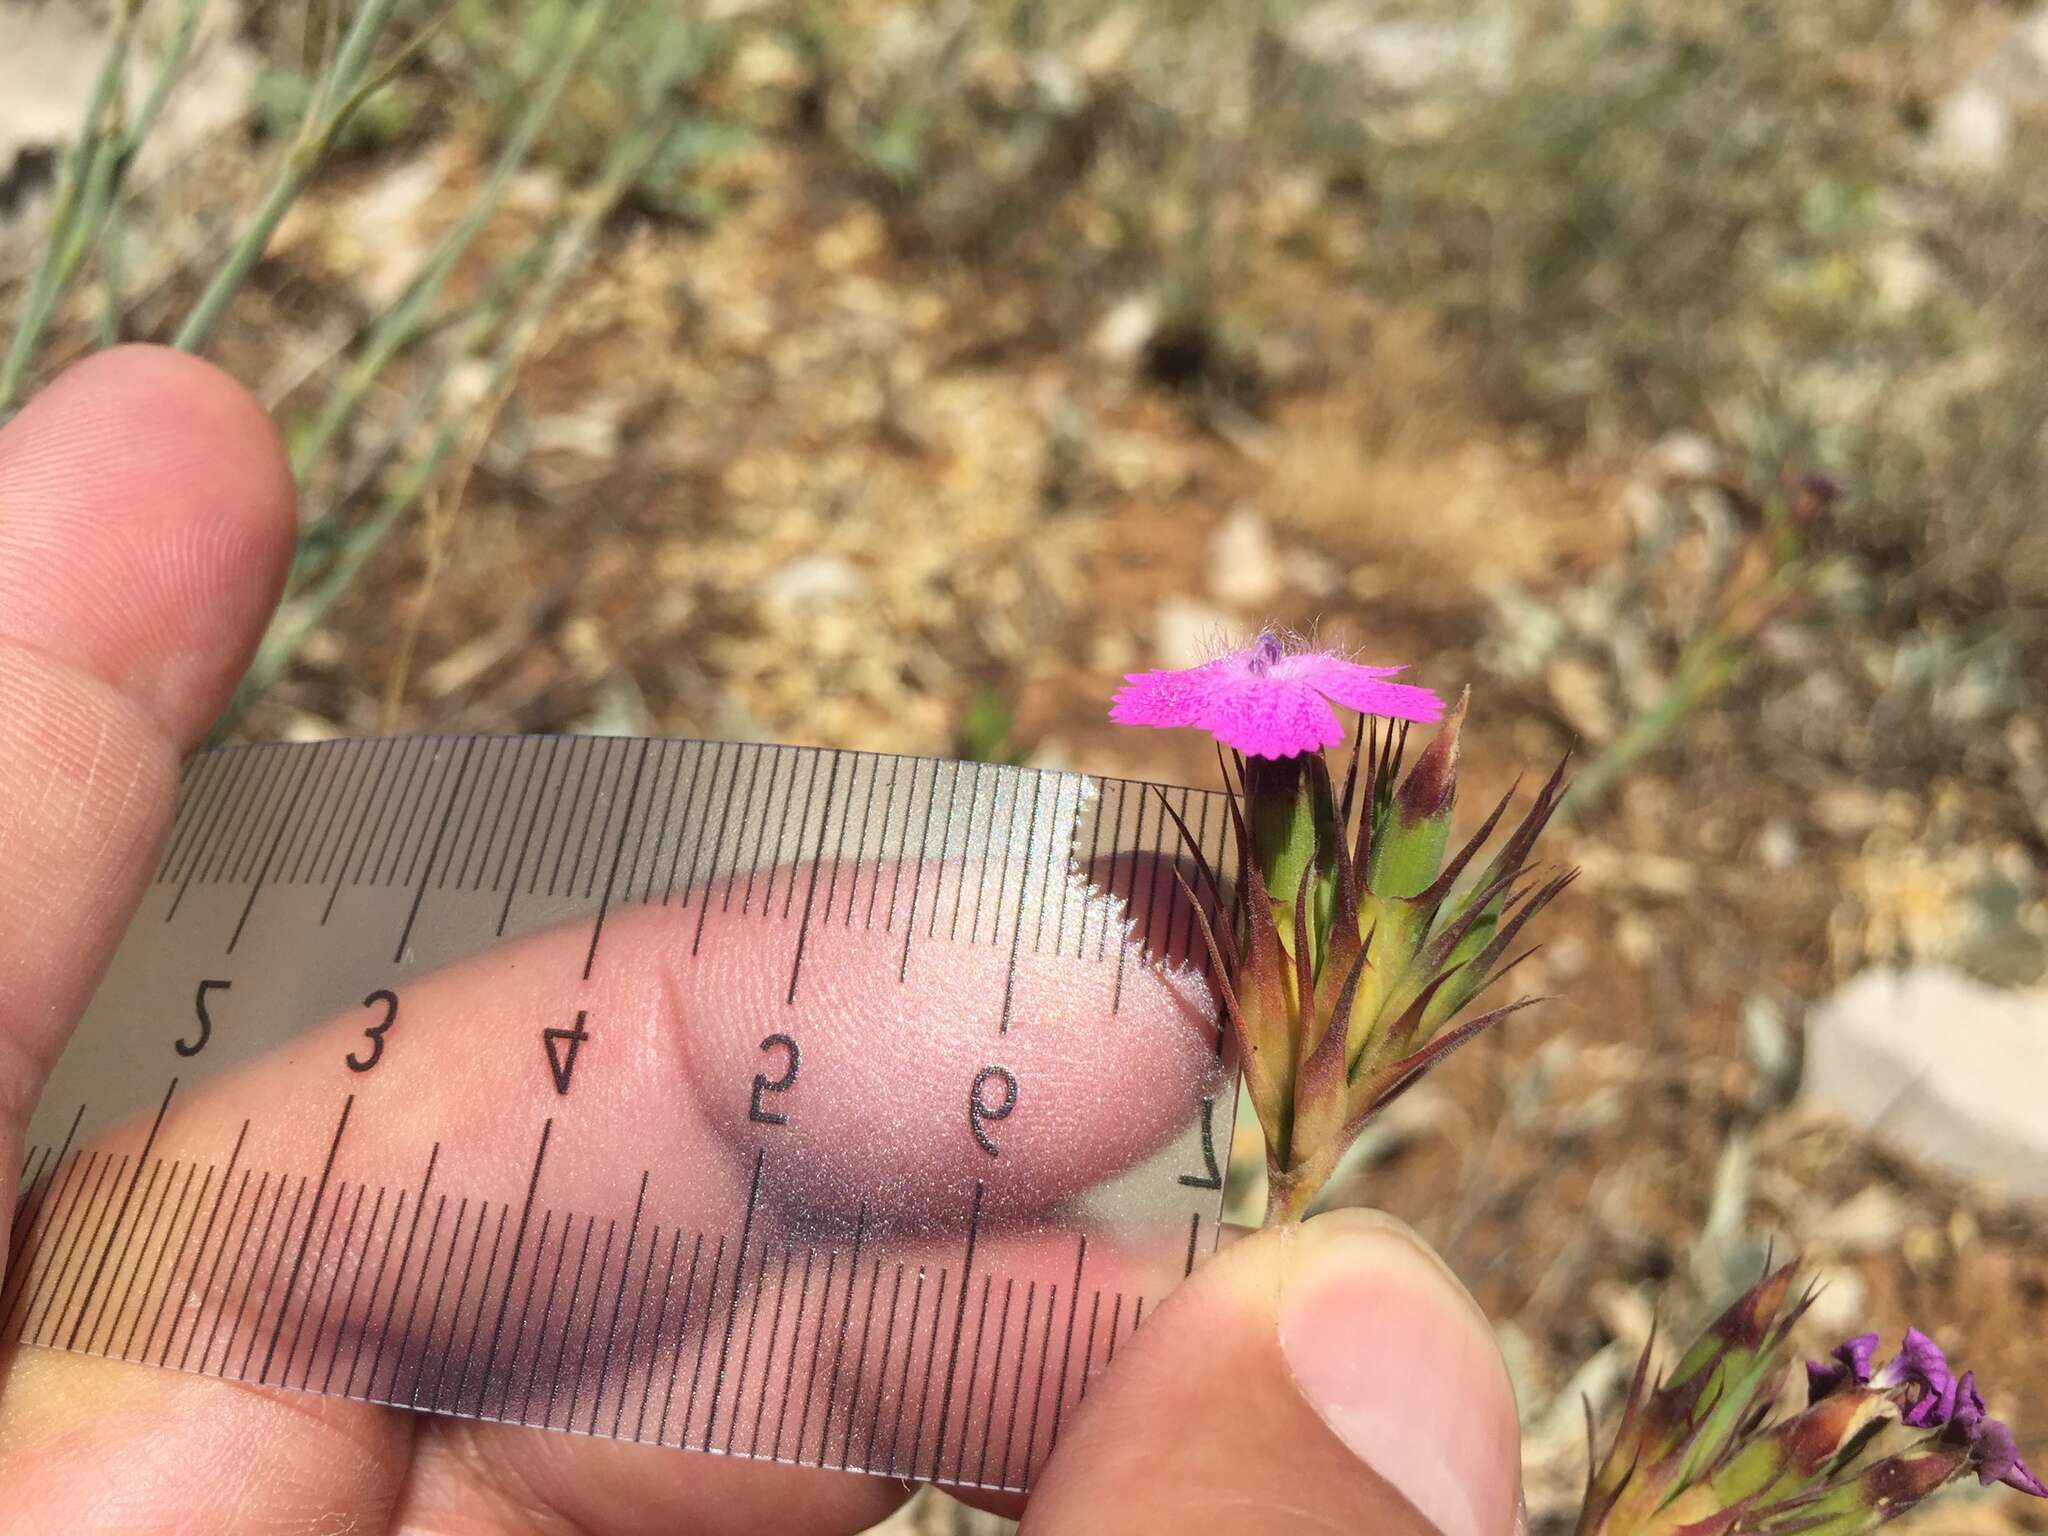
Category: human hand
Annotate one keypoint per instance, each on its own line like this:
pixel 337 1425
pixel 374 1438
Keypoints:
pixel 1327 1377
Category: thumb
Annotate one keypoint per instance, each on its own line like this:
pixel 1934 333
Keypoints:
pixel 145 527
pixel 1332 1376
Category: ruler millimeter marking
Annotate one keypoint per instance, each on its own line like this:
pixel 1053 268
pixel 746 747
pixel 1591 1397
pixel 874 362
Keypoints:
pixel 798 1104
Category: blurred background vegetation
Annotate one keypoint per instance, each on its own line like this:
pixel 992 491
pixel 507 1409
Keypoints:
pixel 896 375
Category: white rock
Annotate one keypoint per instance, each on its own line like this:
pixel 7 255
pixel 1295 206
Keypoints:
pixel 2018 71
pixel 1126 330
pixel 1904 276
pixel 591 430
pixel 1682 455
pixel 1940 1065
pixel 387 222
pixel 1841 1297
pixel 1777 845
pixel 1059 87
pixel 1405 56
pixel 813 581
pixel 46 76
pixel 1972 132
pixel 1244 567
pixel 1317 575
pixel 1579 689
pixel 1873 1220
pixel 50 57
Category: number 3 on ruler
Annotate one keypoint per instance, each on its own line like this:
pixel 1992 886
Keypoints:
pixel 375 1032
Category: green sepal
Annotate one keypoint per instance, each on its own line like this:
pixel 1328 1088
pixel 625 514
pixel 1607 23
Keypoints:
pixel 1397 935
pixel 1877 1495
pixel 1749 1472
pixel 1293 827
pixel 1803 1447
pixel 1745 1372
pixel 1468 980
pixel 1408 853
pixel 1283 825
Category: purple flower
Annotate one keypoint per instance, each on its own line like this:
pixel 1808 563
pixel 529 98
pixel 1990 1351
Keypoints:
pixel 1968 1418
pixel 1940 1400
pixel 1998 1459
pixel 1920 1365
pixel 1993 1448
pixel 1851 1367
pixel 1266 701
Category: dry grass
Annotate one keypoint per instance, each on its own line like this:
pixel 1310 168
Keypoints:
pixel 1399 482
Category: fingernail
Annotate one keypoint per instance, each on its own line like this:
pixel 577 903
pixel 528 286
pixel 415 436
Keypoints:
pixel 1398 1361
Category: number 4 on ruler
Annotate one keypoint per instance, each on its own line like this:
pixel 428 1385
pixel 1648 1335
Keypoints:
pixel 563 1062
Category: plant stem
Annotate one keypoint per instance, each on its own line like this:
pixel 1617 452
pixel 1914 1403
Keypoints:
pixel 1290 1192
pixel 403 323
pixel 166 76
pixel 81 165
pixel 1706 669
pixel 317 134
pixel 112 271
pixel 566 249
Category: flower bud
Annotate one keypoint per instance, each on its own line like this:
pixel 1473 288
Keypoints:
pixel 1408 854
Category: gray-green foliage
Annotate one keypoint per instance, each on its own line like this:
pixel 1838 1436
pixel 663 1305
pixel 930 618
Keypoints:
pixel 496 50
pixel 600 89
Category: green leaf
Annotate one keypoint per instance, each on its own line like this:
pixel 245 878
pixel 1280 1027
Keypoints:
pixel 985 730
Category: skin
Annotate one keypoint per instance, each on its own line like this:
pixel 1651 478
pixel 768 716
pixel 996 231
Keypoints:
pixel 1328 1377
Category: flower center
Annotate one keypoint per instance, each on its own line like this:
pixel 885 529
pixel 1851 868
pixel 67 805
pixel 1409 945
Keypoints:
pixel 1266 650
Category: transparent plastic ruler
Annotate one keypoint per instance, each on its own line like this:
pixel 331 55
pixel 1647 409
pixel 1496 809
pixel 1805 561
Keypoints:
pixel 806 1105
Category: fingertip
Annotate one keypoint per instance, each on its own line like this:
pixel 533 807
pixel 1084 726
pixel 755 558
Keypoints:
pixel 1316 1376
pixel 1394 1356
pixel 146 524
pixel 163 376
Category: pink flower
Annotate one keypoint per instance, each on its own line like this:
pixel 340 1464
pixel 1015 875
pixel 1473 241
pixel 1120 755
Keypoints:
pixel 1268 702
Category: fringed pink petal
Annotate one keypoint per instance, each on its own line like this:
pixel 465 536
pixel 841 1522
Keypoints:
pixel 1270 717
pixel 1266 702
pixel 1172 699
pixel 1316 667
pixel 1361 689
